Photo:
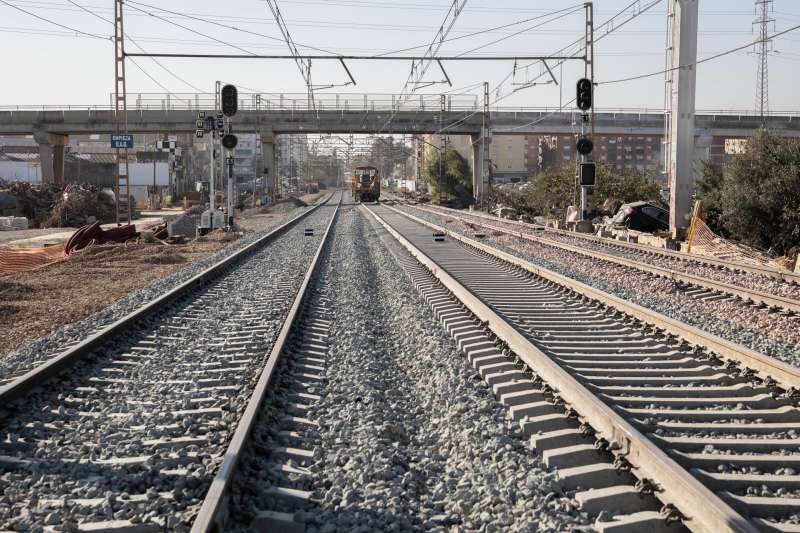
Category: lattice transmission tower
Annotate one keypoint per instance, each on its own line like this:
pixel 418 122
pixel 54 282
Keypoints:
pixel 763 49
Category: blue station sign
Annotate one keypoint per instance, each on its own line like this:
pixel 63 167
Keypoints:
pixel 122 141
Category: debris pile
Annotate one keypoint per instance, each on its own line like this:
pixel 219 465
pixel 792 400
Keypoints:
pixel 81 204
pixel 47 206
pixel 21 199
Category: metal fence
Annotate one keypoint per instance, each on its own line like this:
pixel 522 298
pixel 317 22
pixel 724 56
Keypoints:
pixel 353 102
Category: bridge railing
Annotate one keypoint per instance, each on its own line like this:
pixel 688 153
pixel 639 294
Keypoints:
pixel 301 102
pixel 356 102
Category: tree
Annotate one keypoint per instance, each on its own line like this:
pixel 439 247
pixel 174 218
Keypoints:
pixel 384 154
pixel 552 190
pixel 626 186
pixel 456 175
pixel 760 193
pixel 709 191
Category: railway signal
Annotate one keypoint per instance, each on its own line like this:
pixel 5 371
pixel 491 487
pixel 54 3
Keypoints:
pixel 584 95
pixel 230 141
pixel 230 100
pixel 588 173
pixel 584 146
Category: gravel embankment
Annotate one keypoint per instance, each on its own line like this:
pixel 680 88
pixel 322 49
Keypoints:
pixel 137 432
pixel 772 334
pixel 411 437
pixel 38 351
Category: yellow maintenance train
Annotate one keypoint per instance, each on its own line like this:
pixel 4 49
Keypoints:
pixel 366 184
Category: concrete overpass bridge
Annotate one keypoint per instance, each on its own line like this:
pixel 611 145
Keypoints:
pixel 275 114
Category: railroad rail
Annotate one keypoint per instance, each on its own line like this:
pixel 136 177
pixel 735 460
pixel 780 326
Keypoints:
pixel 12 385
pixel 213 514
pixel 636 248
pixel 713 287
pixel 131 437
pixel 709 427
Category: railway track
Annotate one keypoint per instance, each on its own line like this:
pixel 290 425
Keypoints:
pixel 700 278
pixel 153 405
pixel 76 340
pixel 709 428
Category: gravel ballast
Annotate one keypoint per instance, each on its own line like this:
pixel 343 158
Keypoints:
pixel 42 349
pixel 748 280
pixel 410 436
pixel 136 432
pixel 772 334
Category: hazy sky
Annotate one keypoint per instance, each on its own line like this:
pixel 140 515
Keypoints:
pixel 45 64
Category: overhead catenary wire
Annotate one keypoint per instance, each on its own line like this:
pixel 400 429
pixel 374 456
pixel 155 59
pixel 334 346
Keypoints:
pixel 612 28
pixel 698 62
pixel 235 28
pixel 515 34
pixel 609 23
pixel 129 4
pixel 418 70
pixel 94 14
pixel 304 65
pixel 88 34
pixel 482 32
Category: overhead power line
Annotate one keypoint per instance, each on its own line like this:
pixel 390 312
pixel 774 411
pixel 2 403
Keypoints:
pixel 563 14
pixel 632 11
pixel 488 30
pixel 96 36
pixel 170 72
pixel 226 26
pixel 701 61
pixel 130 3
pixel 303 64
pixel 611 25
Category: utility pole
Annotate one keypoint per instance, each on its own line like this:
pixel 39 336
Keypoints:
pixel 121 185
pixel 486 171
pixel 588 72
pixel 681 87
pixel 763 7
pixel 442 147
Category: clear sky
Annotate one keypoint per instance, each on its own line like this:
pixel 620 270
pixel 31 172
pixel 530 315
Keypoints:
pixel 46 64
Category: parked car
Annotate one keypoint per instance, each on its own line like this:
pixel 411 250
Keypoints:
pixel 642 216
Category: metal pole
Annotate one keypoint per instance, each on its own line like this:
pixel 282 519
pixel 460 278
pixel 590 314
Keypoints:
pixel 230 188
pixel 486 171
pixel 588 73
pixel 212 164
pixel 121 112
pixel 442 152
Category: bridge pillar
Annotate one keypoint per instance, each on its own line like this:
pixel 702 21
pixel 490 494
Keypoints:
pixel 270 157
pixel 480 169
pixel 51 155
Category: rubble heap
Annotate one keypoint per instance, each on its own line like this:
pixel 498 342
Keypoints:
pixel 81 204
pixel 21 199
pixel 48 206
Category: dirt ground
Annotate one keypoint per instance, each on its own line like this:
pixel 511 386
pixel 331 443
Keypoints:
pixel 33 304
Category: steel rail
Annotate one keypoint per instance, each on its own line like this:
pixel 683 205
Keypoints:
pixel 672 254
pixel 785 374
pixel 703 510
pixel 744 293
pixel 213 513
pixel 24 383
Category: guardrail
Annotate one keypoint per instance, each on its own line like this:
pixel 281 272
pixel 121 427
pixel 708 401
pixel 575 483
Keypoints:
pixel 353 102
